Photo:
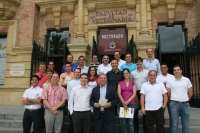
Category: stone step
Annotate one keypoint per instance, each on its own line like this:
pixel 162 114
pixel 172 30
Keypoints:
pixel 11 130
pixel 10 123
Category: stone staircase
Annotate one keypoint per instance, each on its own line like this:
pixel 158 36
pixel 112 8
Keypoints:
pixel 11 120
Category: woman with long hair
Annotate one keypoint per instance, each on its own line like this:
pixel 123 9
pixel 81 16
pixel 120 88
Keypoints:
pixel 92 77
pixel 127 93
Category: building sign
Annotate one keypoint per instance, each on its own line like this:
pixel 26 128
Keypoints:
pixel 2 60
pixel 112 40
pixel 111 16
pixel 17 69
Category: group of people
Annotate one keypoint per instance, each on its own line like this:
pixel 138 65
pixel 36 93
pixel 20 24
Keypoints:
pixel 122 83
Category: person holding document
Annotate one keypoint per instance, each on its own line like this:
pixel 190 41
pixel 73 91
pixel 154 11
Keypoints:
pixel 127 93
pixel 104 99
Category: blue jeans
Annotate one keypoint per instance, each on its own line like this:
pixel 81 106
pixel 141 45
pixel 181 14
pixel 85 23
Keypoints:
pixel 128 122
pixel 182 110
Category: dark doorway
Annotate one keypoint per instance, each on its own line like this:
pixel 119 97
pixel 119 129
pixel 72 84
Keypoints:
pixel 171 46
pixel 172 59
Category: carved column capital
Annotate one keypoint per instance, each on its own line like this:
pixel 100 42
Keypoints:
pixel 55 7
pixel 8 8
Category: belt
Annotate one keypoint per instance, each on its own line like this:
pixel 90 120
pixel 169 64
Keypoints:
pixel 180 102
pixel 31 110
pixel 82 111
pixel 102 111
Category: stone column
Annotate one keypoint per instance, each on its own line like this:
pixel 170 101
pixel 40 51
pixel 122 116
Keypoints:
pixel 80 33
pixel 145 40
pixel 79 46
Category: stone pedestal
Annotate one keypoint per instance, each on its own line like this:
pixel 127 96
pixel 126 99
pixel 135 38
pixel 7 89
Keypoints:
pixel 143 45
pixel 79 47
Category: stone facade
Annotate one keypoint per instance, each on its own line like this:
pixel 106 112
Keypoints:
pixel 30 20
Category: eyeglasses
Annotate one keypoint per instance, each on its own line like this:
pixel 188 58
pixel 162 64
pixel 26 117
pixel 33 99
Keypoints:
pixel 51 64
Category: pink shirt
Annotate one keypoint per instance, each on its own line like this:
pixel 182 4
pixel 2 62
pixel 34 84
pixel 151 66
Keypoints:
pixel 42 78
pixel 127 91
pixel 54 96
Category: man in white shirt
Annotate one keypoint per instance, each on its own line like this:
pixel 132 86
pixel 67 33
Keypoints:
pixel 152 103
pixel 117 56
pixel 72 84
pixel 139 76
pixel 105 67
pixel 164 77
pixel 81 62
pixel 32 104
pixel 79 106
pixel 180 92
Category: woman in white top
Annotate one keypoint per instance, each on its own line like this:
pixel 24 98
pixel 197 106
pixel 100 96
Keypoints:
pixel 92 77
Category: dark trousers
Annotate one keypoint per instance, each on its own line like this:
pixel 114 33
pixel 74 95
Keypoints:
pixel 71 127
pixel 136 119
pixel 158 115
pixel 36 117
pixel 82 121
pixel 101 122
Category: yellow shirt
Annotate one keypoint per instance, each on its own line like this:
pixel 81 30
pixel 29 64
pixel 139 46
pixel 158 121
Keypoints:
pixel 65 77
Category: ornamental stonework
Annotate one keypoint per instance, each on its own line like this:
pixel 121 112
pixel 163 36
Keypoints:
pixel 8 8
pixel 112 16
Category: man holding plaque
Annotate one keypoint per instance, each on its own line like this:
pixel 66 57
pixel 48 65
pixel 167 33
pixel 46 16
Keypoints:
pixel 104 112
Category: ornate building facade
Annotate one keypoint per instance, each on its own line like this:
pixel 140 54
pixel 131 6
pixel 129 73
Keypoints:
pixel 23 22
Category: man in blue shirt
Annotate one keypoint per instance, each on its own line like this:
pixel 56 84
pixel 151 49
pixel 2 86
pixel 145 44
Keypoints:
pixel 81 62
pixel 69 59
pixel 151 63
pixel 131 66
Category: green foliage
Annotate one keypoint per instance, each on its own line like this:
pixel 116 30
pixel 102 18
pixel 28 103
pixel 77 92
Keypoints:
pixel 57 44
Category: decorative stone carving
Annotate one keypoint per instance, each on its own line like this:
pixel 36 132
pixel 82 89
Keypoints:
pixel 171 6
pixel 8 8
pixel 92 5
pixel 56 8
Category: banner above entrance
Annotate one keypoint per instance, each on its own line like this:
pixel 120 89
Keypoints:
pixel 112 16
pixel 110 40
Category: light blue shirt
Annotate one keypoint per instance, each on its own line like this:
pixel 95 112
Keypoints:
pixel 103 94
pixel 71 84
pixel 131 67
pixel 84 69
pixel 153 65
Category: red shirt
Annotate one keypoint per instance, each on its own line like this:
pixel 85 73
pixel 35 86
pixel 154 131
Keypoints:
pixel 54 95
pixel 42 79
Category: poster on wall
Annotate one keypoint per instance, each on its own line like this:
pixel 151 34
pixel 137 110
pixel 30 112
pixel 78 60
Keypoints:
pixel 110 40
pixel 2 60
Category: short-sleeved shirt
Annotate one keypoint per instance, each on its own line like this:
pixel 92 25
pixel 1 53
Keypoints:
pixel 114 78
pixel 127 91
pixel 162 78
pixel 54 96
pixel 65 77
pixel 102 69
pixel 74 65
pixel 153 95
pixel 33 93
pixel 131 67
pixel 139 77
pixel 154 64
pixel 179 88
pixel 42 79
